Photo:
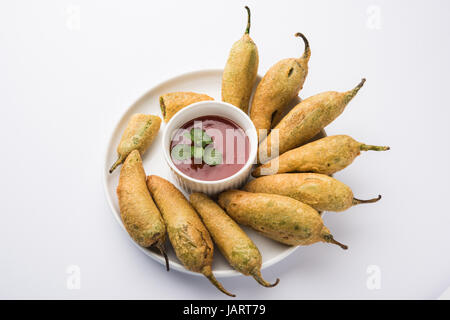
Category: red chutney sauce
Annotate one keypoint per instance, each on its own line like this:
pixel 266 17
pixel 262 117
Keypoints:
pixel 209 148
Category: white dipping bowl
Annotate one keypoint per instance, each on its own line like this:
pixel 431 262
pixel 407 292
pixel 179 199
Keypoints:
pixel 211 108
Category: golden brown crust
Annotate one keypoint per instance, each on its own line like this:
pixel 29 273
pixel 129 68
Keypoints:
pixel 322 134
pixel 240 73
pixel 189 237
pixel 171 103
pixel 327 156
pixel 306 120
pixel 139 134
pixel 235 245
pixel 281 218
pixel 319 191
pixel 139 213
pixel 278 87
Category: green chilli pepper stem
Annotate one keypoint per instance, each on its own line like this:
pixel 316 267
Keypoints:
pixel 160 246
pixel 358 201
pixel 307 51
pixel 116 164
pixel 367 147
pixel 329 238
pixel 207 272
pixel 258 277
pixel 247 30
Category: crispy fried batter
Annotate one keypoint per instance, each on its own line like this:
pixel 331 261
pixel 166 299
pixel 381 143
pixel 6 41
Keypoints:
pixel 306 120
pixel 240 71
pixel 171 103
pixel 319 191
pixel 139 213
pixel 139 134
pixel 235 245
pixel 189 237
pixel 327 156
pixel 278 87
pixel 280 218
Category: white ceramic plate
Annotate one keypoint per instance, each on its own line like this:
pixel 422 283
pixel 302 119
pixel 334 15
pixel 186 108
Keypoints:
pixel 205 81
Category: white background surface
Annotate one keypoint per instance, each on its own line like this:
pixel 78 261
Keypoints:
pixel 63 88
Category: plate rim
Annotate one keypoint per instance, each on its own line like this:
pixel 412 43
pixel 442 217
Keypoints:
pixel 174 265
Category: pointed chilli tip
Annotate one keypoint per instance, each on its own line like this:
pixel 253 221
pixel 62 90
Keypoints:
pixel 258 277
pixel 360 84
pixel 210 276
pixel 271 285
pixel 161 249
pixel 276 282
pixel 349 95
